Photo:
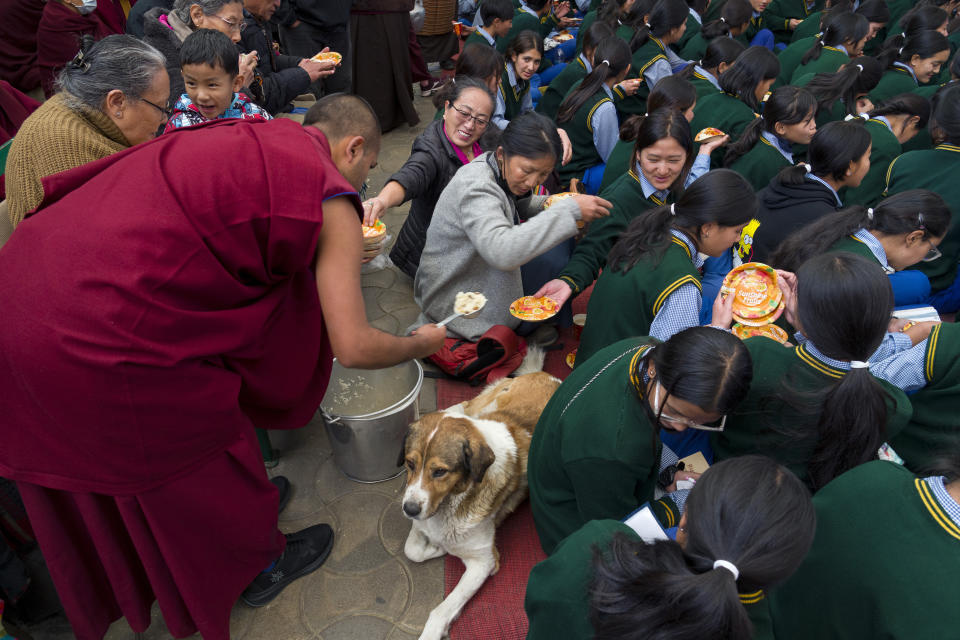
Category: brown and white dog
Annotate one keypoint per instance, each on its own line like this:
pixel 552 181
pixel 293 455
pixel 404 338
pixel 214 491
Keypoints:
pixel 466 471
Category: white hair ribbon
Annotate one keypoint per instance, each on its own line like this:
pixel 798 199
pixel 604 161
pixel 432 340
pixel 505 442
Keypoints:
pixel 647 25
pixel 859 364
pixel 807 167
pixel 870 214
pixel 673 209
pixel 729 566
pixel 722 19
pixel 606 62
pixel 860 67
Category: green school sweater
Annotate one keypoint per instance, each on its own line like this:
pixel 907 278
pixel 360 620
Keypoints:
pixel 852 244
pixel 580 131
pixel 893 82
pixel 590 256
pixel 758 424
pixel 714 9
pixel 692 30
pixel 512 96
pixel 933 429
pixel 694 48
pixel 809 27
pixel 560 86
pixel 624 305
pixel 885 149
pixel 829 61
pixel 790 59
pixel 937 170
pixel 581 468
pixel 780 12
pixel 558 600
pixel 523 21
pixel 703 86
pixel 884 563
pixel 588 19
pixel 760 164
pixel 618 163
pixel 725 112
pixel 651 51
pixel 476 38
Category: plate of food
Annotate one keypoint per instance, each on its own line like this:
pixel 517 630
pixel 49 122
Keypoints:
pixel 758 299
pixel 328 55
pixel 375 232
pixel 557 197
pixel 534 309
pixel 705 134
pixel 771 331
pixel 563 36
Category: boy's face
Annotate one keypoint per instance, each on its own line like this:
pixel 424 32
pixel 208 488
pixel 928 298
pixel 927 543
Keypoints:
pixel 500 28
pixel 210 89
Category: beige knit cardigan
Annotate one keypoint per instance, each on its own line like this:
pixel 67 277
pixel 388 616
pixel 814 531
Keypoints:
pixel 53 139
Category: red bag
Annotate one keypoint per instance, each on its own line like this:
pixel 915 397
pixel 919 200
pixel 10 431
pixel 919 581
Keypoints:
pixel 498 353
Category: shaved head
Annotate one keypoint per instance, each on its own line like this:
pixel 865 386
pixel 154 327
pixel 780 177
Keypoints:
pixel 342 115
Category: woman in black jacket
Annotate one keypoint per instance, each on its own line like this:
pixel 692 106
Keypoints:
pixel 445 145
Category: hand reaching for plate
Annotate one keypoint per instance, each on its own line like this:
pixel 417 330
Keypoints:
pixel 592 207
pixel 788 285
pixel 556 290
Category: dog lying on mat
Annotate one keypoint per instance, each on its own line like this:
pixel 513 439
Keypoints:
pixel 466 471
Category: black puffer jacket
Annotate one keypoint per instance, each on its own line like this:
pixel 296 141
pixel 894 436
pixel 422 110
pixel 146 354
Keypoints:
pixel 162 38
pixel 785 208
pixel 423 176
pixel 282 79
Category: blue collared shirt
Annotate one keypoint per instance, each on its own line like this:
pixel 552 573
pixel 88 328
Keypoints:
pixel 876 249
pixel 909 69
pixel 827 185
pixel 606 127
pixel 524 7
pixel 681 309
pixel 589 67
pixel 706 75
pixel 501 108
pixel 696 16
pixel 486 36
pixel 775 143
pixel 939 491
pixel 892 344
pixel 700 166
pixel 904 370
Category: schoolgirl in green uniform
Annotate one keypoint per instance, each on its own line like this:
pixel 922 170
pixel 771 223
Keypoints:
pixel 891 124
pixel 513 93
pixel 609 13
pixel 843 39
pixel 652 283
pixel 673 92
pixel 743 86
pixel 878 14
pixel 581 468
pixel 927 17
pixel 786 15
pixel 845 92
pixel 790 59
pixel 574 72
pixel 652 58
pixel 704 74
pixel 733 21
pixel 910 62
pixel 766 145
pixel 497 21
pixel 937 170
pixel 884 562
pixel 900 232
pixel 589 117
pixel 663 166
pixel 747 526
pixel 815 407
pixel 533 15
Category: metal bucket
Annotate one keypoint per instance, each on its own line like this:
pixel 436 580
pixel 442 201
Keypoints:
pixel 367 414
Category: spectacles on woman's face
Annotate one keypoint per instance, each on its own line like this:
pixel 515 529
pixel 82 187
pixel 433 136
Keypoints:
pixel 166 111
pixel 234 26
pixel 716 425
pixel 480 122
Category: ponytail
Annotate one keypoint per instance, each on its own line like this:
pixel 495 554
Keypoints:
pixel 720 196
pixel 906 104
pixel 595 34
pixel 839 7
pixel 900 214
pixel 733 14
pixel 856 78
pixel 787 104
pixel 750 522
pixel 846 27
pixel 900 48
pixel 720 51
pixel 610 12
pixel 611 58
pixel 833 147
pixel 923 17
pixel 665 16
pixel 673 92
pixel 844 304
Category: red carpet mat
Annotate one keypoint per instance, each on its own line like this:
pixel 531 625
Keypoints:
pixel 496 611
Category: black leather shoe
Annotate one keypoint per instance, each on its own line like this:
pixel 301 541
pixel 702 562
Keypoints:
pixel 306 550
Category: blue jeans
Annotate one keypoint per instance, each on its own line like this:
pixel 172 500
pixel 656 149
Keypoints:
pixel 764 38
pixel 539 272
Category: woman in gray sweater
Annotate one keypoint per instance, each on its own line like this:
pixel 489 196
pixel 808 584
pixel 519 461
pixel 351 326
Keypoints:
pixel 476 241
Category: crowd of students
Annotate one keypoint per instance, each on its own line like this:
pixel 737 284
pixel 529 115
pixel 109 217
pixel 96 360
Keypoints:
pixel 836 165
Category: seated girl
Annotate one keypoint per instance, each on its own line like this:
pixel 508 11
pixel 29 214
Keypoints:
pixel 663 164
pixel 846 92
pixel 901 231
pixel 589 117
pixel 859 579
pixel 581 468
pixel 909 63
pixel 437 153
pixel 842 40
pixel 717 58
pixel 651 286
pixel 733 21
pixel 838 156
pixel 766 146
pixel 574 72
pixel 475 241
pixel 747 526
pixel 652 57
pixel 743 86
pixel 891 124
pixel 523 56
pixel 815 407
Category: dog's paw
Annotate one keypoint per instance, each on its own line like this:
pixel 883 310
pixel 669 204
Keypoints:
pixel 435 629
pixel 418 548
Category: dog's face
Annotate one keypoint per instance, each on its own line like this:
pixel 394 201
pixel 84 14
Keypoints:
pixel 444 455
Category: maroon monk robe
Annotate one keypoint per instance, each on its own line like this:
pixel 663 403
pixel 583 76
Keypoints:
pixel 19 20
pixel 111 14
pixel 58 39
pixel 14 109
pixel 160 304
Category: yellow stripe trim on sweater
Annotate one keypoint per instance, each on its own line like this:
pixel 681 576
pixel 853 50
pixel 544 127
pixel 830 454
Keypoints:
pixel 935 510
pixel 592 111
pixel 633 371
pixel 677 241
pixel 751 598
pixel 858 240
pixel 804 355
pixel 670 517
pixel 931 351
pixel 569 281
pixel 889 171
pixel 659 56
pixel 947 147
pixel 673 287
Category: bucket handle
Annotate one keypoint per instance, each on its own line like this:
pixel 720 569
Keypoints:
pixel 328 418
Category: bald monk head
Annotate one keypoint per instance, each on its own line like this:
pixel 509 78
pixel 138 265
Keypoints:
pixel 353 131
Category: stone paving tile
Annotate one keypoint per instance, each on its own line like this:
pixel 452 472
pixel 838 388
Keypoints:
pixel 357 628
pixel 388 324
pixel 359 549
pixel 383 593
pixel 427 594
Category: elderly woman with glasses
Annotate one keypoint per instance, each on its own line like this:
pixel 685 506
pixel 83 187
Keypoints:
pixel 596 452
pixel 112 96
pixel 445 145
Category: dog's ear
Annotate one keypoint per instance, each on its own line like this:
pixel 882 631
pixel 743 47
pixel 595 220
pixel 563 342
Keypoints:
pixel 477 458
pixel 401 458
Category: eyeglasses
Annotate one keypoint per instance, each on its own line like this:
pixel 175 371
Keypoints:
pixel 933 254
pixel 716 425
pixel 480 122
pixel 166 111
pixel 234 26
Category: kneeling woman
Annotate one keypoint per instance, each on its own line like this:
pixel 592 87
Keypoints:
pixel 475 241
pixel 582 468
pixel 816 407
pixel 747 526
pixel 651 286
